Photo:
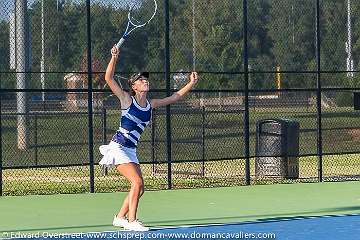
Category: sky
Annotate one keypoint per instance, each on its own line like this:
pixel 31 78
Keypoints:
pixel 6 6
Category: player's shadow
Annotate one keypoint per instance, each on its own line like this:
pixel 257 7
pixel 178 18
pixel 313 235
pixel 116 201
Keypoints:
pixel 263 217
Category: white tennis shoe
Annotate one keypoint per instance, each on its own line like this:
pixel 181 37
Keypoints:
pixel 136 226
pixel 120 222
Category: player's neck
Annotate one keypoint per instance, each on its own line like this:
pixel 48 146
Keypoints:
pixel 141 98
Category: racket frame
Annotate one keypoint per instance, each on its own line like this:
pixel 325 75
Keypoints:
pixel 127 32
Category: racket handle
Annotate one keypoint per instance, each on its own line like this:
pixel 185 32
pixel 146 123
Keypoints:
pixel 121 41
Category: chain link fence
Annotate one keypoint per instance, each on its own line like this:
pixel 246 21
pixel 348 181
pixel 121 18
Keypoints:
pixel 257 60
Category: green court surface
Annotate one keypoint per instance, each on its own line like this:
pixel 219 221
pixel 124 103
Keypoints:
pixel 94 212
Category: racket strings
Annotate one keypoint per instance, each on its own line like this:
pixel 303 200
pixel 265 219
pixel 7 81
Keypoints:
pixel 135 21
pixel 142 11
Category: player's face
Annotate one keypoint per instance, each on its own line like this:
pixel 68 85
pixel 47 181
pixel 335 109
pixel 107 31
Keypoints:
pixel 141 84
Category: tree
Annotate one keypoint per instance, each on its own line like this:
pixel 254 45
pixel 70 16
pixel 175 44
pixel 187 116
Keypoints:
pixel 292 30
pixel 51 27
pixel 5 80
pixel 260 45
pixel 355 7
pixel 4 48
pixel 333 39
pixel 219 44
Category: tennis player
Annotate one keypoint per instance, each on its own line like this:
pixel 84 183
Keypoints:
pixel 121 151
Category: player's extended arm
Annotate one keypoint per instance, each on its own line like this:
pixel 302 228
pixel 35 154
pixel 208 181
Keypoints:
pixel 109 78
pixel 178 95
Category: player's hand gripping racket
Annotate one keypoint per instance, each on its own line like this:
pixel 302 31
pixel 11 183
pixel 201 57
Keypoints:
pixel 141 12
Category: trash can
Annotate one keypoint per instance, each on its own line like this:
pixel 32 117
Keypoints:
pixel 357 101
pixel 277 149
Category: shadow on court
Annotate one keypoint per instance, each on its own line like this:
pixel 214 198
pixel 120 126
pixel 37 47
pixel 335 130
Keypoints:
pixel 265 217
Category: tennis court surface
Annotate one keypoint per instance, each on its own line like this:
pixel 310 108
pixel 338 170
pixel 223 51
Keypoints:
pixel 283 211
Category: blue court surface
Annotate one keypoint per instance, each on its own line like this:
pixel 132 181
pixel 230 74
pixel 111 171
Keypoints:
pixel 340 227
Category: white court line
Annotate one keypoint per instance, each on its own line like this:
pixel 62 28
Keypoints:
pixel 156 228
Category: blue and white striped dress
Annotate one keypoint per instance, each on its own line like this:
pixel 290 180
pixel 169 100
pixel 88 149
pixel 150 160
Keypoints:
pixel 122 148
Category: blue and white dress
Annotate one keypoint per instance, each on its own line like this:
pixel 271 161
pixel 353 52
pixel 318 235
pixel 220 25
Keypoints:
pixel 122 148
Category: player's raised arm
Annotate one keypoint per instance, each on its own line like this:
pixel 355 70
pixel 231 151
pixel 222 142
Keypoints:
pixel 177 95
pixel 123 96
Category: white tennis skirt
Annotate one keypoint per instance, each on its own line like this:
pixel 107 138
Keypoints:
pixel 115 154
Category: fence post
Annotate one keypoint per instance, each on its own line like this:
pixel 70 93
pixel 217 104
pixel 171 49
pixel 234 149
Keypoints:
pixel 1 157
pixel 318 94
pixel 90 94
pixel 36 140
pixel 203 142
pixel 167 78
pixel 246 113
pixel 104 125
pixel 153 140
pixel 22 66
pixel 105 168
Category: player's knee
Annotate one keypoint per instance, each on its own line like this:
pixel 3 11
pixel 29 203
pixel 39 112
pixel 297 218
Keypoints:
pixel 138 184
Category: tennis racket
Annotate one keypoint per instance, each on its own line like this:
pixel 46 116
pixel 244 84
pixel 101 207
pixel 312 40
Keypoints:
pixel 179 79
pixel 141 12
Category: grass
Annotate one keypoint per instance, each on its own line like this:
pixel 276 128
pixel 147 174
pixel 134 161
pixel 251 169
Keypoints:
pixel 184 175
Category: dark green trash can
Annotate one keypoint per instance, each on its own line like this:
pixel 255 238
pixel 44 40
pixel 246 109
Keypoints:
pixel 277 148
pixel 356 100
